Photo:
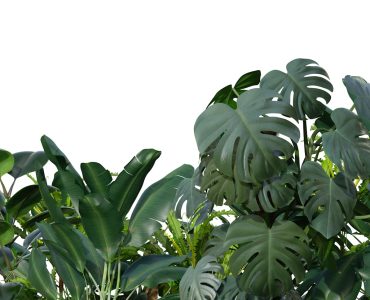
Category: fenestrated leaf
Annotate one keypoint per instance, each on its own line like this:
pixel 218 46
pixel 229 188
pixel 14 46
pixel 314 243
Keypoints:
pixel 328 202
pixel 102 224
pixel 6 233
pixel 189 192
pixel 345 146
pixel 27 162
pixel 6 162
pixel 154 205
pixel 201 283
pixel 229 290
pixel 306 82
pixel 124 190
pixel 246 143
pixel 247 80
pixel 359 91
pixel 39 275
pixel 267 257
pixel 151 268
pixel 97 178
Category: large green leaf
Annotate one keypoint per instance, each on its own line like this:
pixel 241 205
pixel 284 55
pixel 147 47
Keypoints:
pixel 10 290
pixel 97 178
pixel 328 202
pixel 39 275
pixel 345 146
pixel 23 201
pixel 201 283
pixel 229 290
pixel 27 162
pixel 124 190
pixel 215 246
pixel 152 270
pixel 248 142
pixel 102 224
pixel 6 233
pixel 305 82
pixel 359 91
pixel 267 257
pixel 154 205
pixel 364 272
pixel 6 162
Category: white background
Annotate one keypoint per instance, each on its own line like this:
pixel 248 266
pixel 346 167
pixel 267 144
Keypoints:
pixel 106 79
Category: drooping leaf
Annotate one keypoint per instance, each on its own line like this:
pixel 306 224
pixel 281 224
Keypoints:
pixel 23 201
pixel 201 283
pixel 124 190
pixel 39 275
pixel 246 143
pixel 6 162
pixel 6 233
pixel 328 202
pixel 154 205
pixel 151 269
pixel 97 178
pixel 306 82
pixel 345 146
pixel 31 237
pixel 267 257
pixel 102 224
pixel 27 162
pixel 359 91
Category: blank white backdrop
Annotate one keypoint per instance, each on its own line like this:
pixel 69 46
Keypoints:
pixel 105 79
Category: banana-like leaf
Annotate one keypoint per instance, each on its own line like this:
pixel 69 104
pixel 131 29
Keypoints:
pixel 267 257
pixel 96 177
pixel 6 162
pixel 124 190
pixel 154 205
pixel 328 202
pixel 23 201
pixel 201 283
pixel 248 144
pixel 359 91
pixel 102 224
pixel 345 146
pixel 27 162
pixel 151 269
pixel 45 215
pixel 6 233
pixel 39 275
pixel 188 192
pixel 305 82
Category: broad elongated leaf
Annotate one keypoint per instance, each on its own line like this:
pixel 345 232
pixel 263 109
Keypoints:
pixel 6 162
pixel 27 162
pixel 345 146
pixel 102 224
pixel 359 91
pixel 267 257
pixel 23 201
pixel 247 144
pixel 152 268
pixel 154 205
pixel 9 290
pixel 306 82
pixel 124 190
pixel 6 233
pixel 97 178
pixel 328 201
pixel 45 215
pixel 200 283
pixel 39 275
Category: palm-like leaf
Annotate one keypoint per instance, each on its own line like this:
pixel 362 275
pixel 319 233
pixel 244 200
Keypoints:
pixel 245 140
pixel 345 146
pixel 306 82
pixel 267 257
pixel 328 201
pixel 200 283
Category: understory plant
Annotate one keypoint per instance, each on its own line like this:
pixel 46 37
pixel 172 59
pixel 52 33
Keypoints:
pixel 278 208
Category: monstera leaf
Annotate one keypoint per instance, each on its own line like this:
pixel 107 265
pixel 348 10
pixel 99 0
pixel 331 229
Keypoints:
pixel 345 146
pixel 200 283
pixel 267 257
pixel 359 91
pixel 328 202
pixel 306 82
pixel 248 138
pixel 215 245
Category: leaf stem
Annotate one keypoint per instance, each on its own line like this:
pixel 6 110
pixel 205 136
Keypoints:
pixel 5 192
pixel 305 140
pixel 362 217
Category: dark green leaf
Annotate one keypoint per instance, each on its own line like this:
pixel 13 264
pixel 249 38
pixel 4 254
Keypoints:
pixel 45 215
pixel 124 190
pixel 27 162
pixel 23 201
pixel 9 290
pixel 365 273
pixel 226 95
pixel 6 233
pixel 229 290
pixel 305 82
pixel 102 224
pixel 325 123
pixel 97 178
pixel 247 80
pixel 6 162
pixel 215 246
pixel 154 205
